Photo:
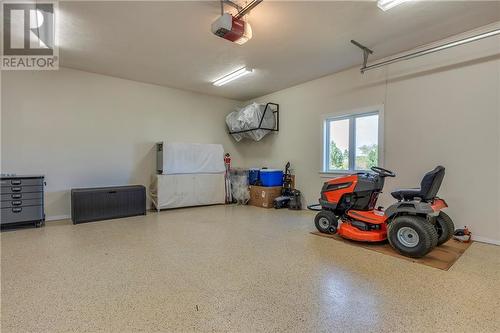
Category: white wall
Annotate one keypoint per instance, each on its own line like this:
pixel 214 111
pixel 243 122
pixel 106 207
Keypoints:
pixel 439 109
pixel 81 129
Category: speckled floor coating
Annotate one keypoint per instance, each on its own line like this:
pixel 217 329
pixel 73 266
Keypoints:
pixel 232 269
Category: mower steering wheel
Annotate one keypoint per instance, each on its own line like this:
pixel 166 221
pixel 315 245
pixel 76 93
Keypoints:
pixel 383 172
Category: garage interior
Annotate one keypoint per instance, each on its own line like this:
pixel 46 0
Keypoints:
pixel 250 166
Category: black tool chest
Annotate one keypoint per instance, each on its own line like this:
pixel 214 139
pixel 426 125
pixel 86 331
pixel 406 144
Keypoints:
pixel 22 200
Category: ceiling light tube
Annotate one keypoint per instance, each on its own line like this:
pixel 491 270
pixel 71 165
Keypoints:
pixel 388 4
pixel 232 76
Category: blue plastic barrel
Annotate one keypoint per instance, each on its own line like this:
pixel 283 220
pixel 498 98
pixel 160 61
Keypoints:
pixel 271 177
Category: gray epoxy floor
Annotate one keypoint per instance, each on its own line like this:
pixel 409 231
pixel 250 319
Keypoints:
pixel 234 269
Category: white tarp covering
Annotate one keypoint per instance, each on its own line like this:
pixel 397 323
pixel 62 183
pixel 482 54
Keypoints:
pixel 172 191
pixel 190 158
pixel 249 117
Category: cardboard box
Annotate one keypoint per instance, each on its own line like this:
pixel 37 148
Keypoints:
pixel 261 196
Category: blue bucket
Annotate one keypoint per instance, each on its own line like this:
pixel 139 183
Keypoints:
pixel 271 177
pixel 253 176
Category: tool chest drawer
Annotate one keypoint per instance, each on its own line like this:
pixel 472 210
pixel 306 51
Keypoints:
pixel 21 196
pixel 21 203
pixel 20 189
pixel 22 182
pixel 21 214
pixel 21 199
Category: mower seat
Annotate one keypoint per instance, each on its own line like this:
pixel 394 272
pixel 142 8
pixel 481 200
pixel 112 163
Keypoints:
pixel 428 190
pixel 406 193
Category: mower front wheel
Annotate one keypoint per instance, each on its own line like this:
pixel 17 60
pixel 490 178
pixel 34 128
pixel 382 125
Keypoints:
pixel 326 222
pixel 412 236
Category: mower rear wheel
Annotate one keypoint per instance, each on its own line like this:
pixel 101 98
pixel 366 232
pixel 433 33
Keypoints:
pixel 444 227
pixel 326 222
pixel 412 236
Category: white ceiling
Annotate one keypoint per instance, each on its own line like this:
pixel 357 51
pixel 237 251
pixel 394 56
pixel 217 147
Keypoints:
pixel 170 43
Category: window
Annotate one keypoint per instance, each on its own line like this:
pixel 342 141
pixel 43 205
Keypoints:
pixel 351 142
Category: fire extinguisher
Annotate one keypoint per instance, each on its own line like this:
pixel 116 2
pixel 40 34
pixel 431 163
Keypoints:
pixel 227 161
pixel 227 164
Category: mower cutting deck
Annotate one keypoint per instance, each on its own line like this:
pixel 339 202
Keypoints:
pixel 413 226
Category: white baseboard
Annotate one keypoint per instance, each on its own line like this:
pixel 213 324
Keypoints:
pixel 57 217
pixel 485 240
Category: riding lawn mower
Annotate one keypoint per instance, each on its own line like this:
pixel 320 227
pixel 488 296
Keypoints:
pixel 413 225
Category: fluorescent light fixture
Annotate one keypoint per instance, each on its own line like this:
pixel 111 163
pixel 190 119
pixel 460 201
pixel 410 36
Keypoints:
pixel 388 4
pixel 232 76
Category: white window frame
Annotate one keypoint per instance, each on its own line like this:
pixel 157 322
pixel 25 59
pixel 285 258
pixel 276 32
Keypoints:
pixel 351 115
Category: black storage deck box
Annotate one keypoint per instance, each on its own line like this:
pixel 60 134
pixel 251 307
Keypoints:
pixel 102 203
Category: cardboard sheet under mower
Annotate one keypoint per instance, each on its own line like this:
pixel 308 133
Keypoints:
pixel 442 257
